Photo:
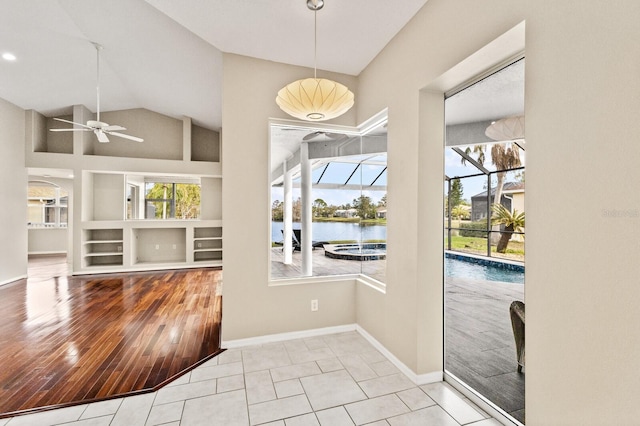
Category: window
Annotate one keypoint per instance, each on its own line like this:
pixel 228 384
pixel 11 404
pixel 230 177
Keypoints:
pixel 162 197
pixel 47 205
pixel 344 197
pixel 172 200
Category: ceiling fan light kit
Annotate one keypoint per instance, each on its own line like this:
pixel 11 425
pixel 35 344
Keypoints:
pixel 99 128
pixel 315 99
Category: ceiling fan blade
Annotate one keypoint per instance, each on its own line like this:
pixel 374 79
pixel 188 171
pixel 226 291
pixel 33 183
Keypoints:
pixel 329 135
pixel 102 137
pixel 122 135
pixel 69 130
pixel 334 135
pixel 113 128
pixel 311 136
pixel 72 122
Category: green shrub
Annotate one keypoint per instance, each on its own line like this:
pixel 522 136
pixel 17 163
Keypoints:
pixel 472 229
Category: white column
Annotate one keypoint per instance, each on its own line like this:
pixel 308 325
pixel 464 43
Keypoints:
pixel 57 208
pixel 305 192
pixel 287 218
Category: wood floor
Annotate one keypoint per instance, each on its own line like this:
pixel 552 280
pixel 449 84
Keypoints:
pixel 66 340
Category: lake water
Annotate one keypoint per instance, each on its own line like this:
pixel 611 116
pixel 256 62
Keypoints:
pixel 331 231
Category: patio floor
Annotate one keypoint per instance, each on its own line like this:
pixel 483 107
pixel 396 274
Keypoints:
pixel 323 266
pixel 480 346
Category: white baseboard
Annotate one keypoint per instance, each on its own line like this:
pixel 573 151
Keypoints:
pixel 418 379
pixel 270 338
pixel 9 281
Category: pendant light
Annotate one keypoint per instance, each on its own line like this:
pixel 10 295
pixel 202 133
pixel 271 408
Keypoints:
pixel 315 99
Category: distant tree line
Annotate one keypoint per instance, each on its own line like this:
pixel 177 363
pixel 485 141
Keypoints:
pixel 365 208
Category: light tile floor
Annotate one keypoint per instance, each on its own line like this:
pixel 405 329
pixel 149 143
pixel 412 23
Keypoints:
pixel 336 379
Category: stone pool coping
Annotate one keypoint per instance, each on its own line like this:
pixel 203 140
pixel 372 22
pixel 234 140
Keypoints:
pixel 334 251
pixel 481 260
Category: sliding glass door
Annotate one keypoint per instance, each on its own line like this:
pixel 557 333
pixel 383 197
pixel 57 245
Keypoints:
pixel 484 231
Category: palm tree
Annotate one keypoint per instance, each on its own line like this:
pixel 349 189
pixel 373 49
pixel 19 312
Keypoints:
pixel 512 221
pixel 460 212
pixel 504 156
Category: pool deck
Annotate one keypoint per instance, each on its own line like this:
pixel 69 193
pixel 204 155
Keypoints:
pixel 480 346
pixel 323 265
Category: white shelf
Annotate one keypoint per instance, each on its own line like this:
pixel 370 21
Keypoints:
pixel 144 245
pixel 115 253
pixel 103 247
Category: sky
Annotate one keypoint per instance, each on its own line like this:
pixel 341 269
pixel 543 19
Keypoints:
pixel 339 173
pixel 472 186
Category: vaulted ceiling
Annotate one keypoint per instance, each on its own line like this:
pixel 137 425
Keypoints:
pixel 166 55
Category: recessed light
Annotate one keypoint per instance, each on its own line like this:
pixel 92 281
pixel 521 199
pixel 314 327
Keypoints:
pixel 9 56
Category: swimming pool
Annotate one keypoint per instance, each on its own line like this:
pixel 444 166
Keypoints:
pixel 461 269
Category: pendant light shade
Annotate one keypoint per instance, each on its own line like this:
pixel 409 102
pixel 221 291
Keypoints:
pixel 315 99
pixel 506 129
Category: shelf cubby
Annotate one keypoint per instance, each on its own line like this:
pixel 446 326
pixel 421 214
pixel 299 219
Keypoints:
pixel 103 247
pixel 159 245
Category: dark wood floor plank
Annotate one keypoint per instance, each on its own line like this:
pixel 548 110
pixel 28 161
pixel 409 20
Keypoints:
pixel 73 339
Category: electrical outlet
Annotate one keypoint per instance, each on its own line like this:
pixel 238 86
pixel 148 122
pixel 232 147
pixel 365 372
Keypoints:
pixel 314 305
pixel 157 246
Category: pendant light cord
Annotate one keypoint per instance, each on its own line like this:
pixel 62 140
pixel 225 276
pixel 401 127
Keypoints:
pixel 315 44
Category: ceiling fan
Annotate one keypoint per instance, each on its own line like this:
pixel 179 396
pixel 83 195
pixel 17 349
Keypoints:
pixel 99 128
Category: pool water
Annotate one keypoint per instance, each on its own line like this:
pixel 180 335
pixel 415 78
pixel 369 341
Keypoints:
pixel 462 269
pixel 365 251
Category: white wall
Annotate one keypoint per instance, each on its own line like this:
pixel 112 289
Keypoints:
pixel 251 307
pixel 162 135
pixel 210 198
pixel 582 108
pixel 108 195
pixel 47 240
pixel 13 193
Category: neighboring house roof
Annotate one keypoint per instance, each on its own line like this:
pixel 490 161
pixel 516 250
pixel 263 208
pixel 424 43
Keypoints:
pixel 507 188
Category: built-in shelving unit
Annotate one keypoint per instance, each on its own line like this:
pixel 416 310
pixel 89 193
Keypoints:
pixel 207 244
pixel 103 247
pixel 109 181
pixel 139 245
